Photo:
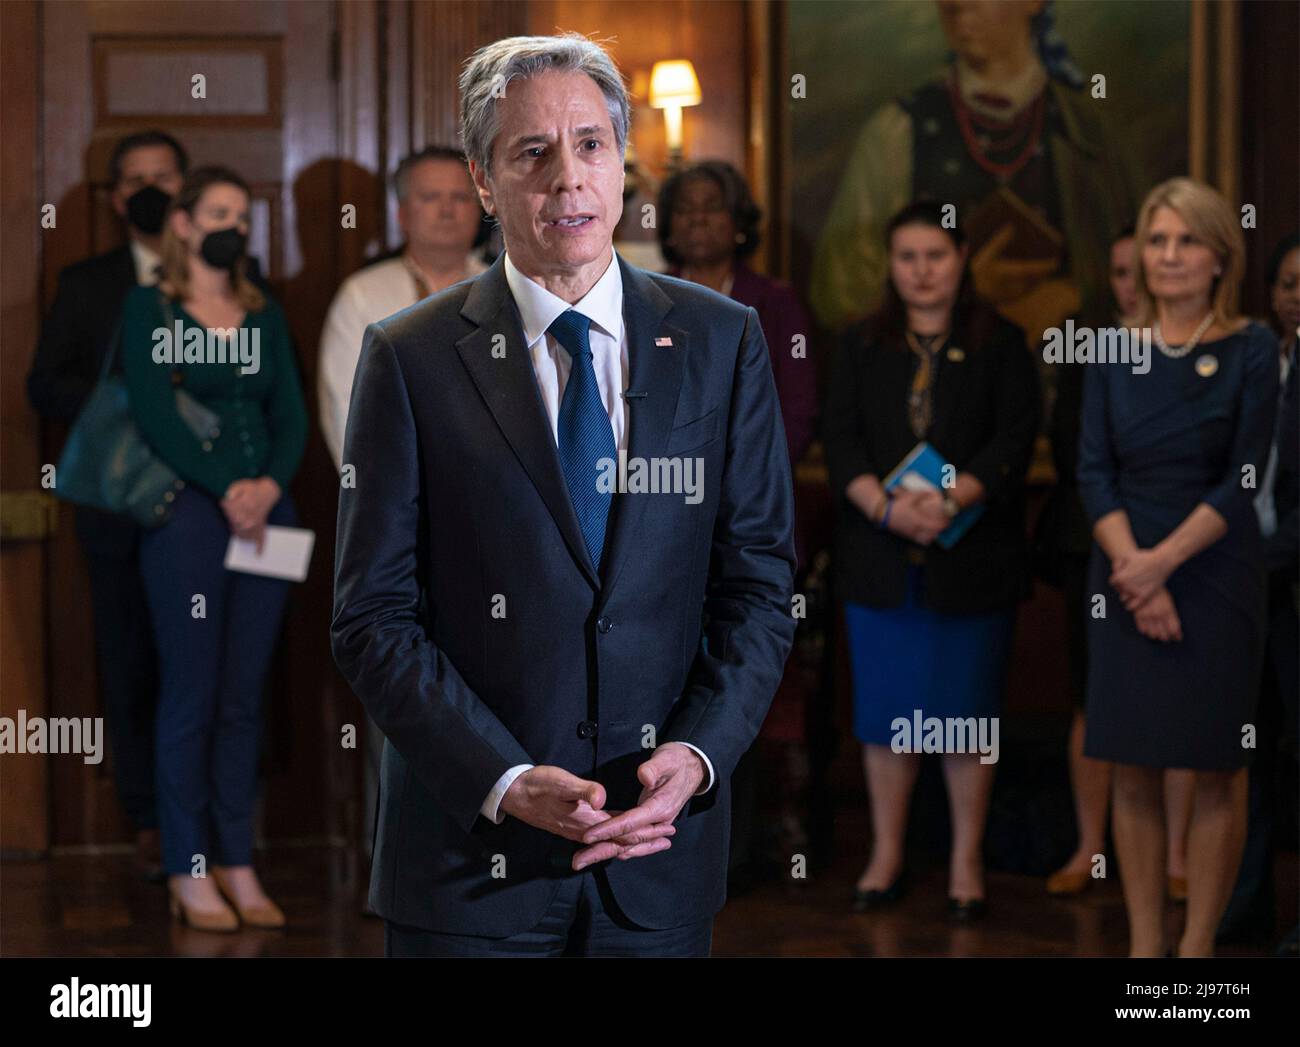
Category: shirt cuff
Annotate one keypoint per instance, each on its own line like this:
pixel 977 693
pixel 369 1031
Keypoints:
pixel 489 810
pixel 708 766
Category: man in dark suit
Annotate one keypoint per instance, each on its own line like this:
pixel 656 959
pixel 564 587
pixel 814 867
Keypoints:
pixel 566 669
pixel 1251 915
pixel 147 170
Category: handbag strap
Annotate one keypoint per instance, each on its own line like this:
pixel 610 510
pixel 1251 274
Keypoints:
pixel 115 345
pixel 114 350
pixel 166 304
pixel 170 317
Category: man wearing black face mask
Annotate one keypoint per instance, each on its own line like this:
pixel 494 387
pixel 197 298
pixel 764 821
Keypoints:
pixel 147 170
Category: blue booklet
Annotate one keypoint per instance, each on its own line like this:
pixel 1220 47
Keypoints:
pixel 922 469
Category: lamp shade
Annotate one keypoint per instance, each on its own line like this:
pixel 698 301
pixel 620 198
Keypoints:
pixel 673 84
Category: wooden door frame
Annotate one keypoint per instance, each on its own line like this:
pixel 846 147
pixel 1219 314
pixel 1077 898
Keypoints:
pixel 25 779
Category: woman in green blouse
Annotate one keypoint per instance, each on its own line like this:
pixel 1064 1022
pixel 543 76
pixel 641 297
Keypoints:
pixel 209 330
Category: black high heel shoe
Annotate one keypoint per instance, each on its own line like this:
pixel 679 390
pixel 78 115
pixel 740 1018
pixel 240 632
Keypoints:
pixel 966 910
pixel 878 898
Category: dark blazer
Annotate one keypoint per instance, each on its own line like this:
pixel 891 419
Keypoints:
pixel 75 337
pixel 460 507
pixel 77 333
pixel 986 412
pixel 1283 548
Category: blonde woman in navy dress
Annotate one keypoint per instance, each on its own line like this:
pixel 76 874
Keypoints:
pixel 1169 465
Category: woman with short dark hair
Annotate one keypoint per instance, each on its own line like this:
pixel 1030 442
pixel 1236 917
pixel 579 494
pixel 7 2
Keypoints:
pixel 708 227
pixel 929 621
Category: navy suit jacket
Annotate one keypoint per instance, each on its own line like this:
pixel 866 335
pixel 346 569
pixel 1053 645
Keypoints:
pixel 471 623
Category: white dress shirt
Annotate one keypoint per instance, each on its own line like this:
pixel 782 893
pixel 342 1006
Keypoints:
pixel 147 261
pixel 538 309
pixel 1265 505
pixel 364 298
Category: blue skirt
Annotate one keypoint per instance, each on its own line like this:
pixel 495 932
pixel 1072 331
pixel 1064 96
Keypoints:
pixel 909 658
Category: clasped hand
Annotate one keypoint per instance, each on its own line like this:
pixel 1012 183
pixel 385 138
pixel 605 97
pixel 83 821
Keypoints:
pixel 247 503
pixel 1139 577
pixel 552 799
pixel 918 515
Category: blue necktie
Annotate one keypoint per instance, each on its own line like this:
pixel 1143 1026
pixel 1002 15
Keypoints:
pixel 584 432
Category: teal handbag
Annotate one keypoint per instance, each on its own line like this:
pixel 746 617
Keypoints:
pixel 107 463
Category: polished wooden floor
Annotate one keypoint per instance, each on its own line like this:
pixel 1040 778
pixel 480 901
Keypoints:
pixel 93 905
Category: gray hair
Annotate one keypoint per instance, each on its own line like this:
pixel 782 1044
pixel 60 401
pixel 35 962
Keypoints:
pixel 491 69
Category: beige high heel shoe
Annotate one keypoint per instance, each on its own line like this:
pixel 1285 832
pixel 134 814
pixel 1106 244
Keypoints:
pixel 222 920
pixel 1064 884
pixel 266 917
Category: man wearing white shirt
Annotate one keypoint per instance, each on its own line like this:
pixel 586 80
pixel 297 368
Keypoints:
pixel 538 309
pixel 566 672
pixel 442 223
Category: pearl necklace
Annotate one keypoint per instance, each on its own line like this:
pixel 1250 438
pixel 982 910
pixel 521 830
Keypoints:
pixel 1186 347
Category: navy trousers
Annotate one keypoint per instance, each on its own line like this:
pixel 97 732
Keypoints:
pixel 128 679
pixel 212 671
pixel 583 920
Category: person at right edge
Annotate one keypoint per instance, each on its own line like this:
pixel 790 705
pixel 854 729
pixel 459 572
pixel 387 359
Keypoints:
pixel 1170 462
pixel 1251 915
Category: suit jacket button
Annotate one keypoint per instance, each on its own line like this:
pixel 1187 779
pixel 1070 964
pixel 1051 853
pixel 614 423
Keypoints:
pixel 587 729
pixel 604 624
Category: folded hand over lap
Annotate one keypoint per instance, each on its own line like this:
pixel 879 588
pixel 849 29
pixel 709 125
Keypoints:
pixel 1157 619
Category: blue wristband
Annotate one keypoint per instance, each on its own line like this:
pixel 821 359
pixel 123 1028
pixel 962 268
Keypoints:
pixel 884 517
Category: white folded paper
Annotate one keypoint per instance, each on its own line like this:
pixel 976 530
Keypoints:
pixel 286 552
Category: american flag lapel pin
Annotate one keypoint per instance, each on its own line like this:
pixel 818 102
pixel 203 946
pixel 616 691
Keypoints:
pixel 668 342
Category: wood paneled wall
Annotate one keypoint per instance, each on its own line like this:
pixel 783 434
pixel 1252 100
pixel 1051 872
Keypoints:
pixel 1270 114
pixel 322 99
pixel 24 780
pixel 710 33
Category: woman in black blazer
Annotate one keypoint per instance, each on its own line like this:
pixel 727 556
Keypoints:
pixel 929 627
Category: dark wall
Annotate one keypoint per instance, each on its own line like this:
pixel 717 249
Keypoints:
pixel 1270 171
